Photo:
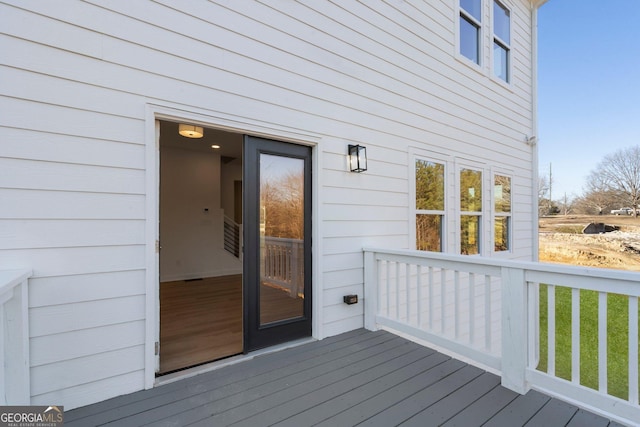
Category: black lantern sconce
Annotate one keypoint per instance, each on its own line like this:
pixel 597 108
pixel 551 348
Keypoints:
pixel 357 158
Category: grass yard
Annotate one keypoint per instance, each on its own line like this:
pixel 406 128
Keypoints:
pixel 617 343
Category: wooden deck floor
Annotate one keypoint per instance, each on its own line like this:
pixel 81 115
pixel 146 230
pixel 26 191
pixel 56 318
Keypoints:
pixel 357 378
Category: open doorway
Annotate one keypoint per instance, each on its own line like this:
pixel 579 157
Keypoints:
pixel 201 265
pixel 235 245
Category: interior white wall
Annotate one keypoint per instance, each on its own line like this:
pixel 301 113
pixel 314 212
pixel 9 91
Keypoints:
pixel 191 218
pixel 230 172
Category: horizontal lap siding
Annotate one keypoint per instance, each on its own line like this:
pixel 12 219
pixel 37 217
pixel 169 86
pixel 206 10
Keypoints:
pixel 74 209
pixel 72 115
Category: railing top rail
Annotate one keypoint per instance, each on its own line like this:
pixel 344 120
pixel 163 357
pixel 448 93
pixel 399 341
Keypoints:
pixel 11 278
pixel 602 273
pixel 282 239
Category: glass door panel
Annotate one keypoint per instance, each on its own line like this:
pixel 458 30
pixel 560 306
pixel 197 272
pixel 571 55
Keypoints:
pixel 281 238
pixel 277 242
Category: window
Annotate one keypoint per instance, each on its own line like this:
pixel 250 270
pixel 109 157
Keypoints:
pixel 470 25
pixel 430 189
pixel 470 211
pixel 501 41
pixel 502 215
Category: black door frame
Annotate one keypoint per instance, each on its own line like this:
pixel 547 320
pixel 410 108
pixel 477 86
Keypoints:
pixel 258 336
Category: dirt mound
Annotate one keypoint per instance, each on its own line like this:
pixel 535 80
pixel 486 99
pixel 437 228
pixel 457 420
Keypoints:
pixel 617 249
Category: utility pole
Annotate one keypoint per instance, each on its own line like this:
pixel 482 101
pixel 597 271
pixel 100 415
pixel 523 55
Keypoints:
pixel 550 185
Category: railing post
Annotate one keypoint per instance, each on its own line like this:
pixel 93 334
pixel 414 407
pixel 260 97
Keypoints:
pixel 14 299
pixel 370 291
pixel 514 330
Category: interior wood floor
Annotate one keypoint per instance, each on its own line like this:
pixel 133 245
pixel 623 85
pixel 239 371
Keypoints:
pixel 277 304
pixel 200 321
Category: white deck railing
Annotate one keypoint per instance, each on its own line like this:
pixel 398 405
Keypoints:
pixel 487 311
pixel 14 338
pixel 283 264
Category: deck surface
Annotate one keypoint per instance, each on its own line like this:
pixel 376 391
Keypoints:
pixel 357 378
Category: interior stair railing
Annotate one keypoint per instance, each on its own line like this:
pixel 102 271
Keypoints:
pixel 231 237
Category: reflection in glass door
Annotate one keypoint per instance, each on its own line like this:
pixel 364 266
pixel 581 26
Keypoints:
pixel 277 242
pixel 281 238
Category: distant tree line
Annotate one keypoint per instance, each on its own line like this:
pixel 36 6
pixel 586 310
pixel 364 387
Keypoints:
pixel 614 183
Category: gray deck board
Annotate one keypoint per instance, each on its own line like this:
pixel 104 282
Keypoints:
pixel 390 397
pixel 347 401
pixel 319 392
pixel 556 411
pixel 357 378
pixel 587 419
pixel 407 408
pixel 448 407
pixel 480 411
pixel 520 410
pixel 253 386
pixel 277 393
pixel 155 403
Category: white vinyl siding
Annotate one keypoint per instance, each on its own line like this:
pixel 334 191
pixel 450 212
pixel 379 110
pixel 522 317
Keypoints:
pixel 73 99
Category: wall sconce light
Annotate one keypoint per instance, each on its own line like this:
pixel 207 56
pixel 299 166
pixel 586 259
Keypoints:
pixel 357 158
pixel 190 131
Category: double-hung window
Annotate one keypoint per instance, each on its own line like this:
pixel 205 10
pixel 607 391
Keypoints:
pixel 470 22
pixel 502 213
pixel 430 191
pixel 501 41
pixel 470 211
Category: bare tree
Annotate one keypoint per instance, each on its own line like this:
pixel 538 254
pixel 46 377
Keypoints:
pixel 283 202
pixel 619 172
pixel 567 204
pixel 597 194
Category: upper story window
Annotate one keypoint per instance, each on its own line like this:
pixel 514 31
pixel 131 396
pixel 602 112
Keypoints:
pixel 470 211
pixel 470 29
pixel 430 190
pixel 501 41
pixel 502 213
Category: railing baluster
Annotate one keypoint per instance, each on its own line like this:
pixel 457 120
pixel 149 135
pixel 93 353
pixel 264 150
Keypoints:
pixel 397 282
pixel 487 312
pixel 388 287
pixel 602 342
pixel 443 300
pixel 456 306
pixel 407 281
pixel 551 329
pixel 472 287
pixel 430 327
pixel 381 265
pixel 633 350
pixel 419 295
pixel 575 335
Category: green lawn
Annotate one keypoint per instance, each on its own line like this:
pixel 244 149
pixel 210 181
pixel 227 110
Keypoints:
pixel 617 345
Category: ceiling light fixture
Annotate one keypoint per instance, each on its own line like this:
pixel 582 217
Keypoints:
pixel 215 146
pixel 190 131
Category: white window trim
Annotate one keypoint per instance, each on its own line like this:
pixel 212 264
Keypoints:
pixel 494 214
pixel 509 83
pixel 482 245
pixel 481 36
pixel 413 211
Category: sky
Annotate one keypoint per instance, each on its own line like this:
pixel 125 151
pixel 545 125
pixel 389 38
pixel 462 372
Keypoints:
pixel 588 87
